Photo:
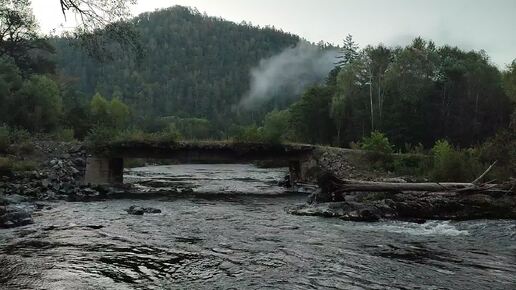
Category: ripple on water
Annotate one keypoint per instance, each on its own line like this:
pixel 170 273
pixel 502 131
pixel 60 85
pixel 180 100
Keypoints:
pixel 248 242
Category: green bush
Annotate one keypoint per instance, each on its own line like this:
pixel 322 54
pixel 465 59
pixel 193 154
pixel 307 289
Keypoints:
pixel 377 142
pixel 100 136
pixel 20 135
pixel 450 164
pixel 379 151
pixel 249 134
pixel 411 164
pixel 64 135
pixel 275 126
pixel 8 165
pixel 501 148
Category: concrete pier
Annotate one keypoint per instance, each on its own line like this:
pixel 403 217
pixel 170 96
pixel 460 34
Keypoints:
pixel 104 171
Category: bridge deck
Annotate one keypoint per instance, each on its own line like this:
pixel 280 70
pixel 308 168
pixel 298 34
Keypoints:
pixel 204 151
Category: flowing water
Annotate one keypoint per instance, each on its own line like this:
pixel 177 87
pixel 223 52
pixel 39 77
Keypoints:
pixel 244 239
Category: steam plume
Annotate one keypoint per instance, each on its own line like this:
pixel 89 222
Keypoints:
pixel 288 73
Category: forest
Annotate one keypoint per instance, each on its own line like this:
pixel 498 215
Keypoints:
pixel 187 72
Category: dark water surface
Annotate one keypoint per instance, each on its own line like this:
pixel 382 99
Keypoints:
pixel 247 241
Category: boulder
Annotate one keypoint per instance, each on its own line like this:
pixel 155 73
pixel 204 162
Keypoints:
pixel 15 216
pixel 138 210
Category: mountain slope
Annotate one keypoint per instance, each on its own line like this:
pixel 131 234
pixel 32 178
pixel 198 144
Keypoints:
pixel 193 65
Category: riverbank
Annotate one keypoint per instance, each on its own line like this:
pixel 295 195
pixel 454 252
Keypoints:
pixel 56 174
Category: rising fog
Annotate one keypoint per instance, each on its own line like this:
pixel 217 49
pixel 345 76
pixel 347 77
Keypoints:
pixel 288 73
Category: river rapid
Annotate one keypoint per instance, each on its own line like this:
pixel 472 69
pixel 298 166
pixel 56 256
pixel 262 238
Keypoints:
pixel 232 232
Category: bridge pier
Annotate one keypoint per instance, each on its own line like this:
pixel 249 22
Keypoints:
pixel 294 171
pixel 104 171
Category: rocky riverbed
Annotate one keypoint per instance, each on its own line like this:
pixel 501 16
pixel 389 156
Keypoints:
pixel 331 201
pixel 59 176
pixel 413 206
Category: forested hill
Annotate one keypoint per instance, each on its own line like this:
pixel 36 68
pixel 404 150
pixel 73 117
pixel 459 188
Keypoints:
pixel 193 65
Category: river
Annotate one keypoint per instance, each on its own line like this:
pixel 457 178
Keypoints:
pixel 233 232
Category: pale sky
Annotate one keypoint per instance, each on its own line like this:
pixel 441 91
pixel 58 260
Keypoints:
pixel 469 24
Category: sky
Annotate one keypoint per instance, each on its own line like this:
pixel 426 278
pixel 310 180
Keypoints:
pixel 470 24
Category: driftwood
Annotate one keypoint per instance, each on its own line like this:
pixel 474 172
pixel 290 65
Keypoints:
pixel 331 184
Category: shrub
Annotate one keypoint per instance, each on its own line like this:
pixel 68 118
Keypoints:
pixel 100 136
pixel 276 126
pixel 411 164
pixel 501 148
pixel 377 142
pixel 8 165
pixel 64 135
pixel 20 135
pixel 450 164
pixel 414 149
pixel 379 150
pixel 171 134
pixel 249 134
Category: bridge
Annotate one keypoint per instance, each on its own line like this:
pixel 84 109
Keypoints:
pixel 105 164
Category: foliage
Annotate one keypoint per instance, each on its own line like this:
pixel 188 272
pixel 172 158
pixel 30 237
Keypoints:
pixel 193 128
pixel 106 113
pixel 417 165
pixel 379 150
pixel 100 109
pixel 170 135
pixel 19 135
pixel 64 135
pixel 193 66
pixel 119 113
pixel 377 142
pixel 18 139
pixel 509 80
pixel 276 126
pixel 416 94
pixel 450 164
pixel 99 136
pixel 247 134
pixel 37 106
pixel 501 148
pixel 9 166
pixel 310 116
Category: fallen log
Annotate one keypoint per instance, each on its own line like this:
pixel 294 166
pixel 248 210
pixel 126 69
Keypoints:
pixel 350 185
pixel 331 184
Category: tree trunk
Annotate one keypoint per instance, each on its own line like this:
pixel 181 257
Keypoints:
pixel 354 185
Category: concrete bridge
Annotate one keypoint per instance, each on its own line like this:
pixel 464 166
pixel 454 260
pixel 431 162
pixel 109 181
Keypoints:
pixel 105 163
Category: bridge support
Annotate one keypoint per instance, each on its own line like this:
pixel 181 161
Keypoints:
pixel 294 171
pixel 104 171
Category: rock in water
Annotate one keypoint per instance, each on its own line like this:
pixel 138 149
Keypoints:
pixel 15 216
pixel 138 210
pixel 135 210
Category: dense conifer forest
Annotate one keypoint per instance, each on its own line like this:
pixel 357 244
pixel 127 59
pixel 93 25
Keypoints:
pixel 190 65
